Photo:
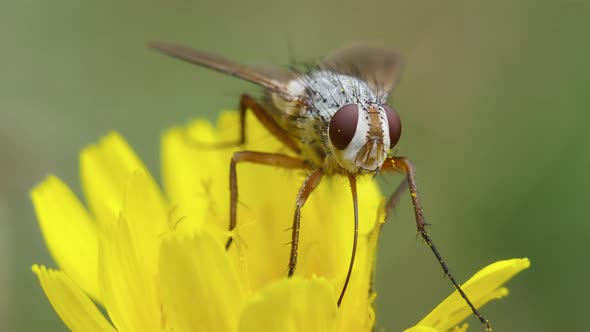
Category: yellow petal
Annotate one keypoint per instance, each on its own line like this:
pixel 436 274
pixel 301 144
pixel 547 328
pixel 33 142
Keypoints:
pixel 356 312
pixel 462 328
pixel 129 293
pixel 105 169
pixel 74 308
pixel 418 328
pixel 198 186
pixel 70 233
pixel 327 229
pixel 200 289
pixel 483 287
pixel 147 217
pixel 291 305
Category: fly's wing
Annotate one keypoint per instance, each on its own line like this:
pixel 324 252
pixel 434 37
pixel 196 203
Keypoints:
pixel 379 67
pixel 271 78
pixel 281 74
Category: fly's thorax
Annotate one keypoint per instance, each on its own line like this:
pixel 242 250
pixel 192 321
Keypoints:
pixel 294 117
pixel 293 107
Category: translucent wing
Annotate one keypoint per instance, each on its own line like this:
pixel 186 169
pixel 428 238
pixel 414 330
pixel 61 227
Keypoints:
pixel 271 78
pixel 379 67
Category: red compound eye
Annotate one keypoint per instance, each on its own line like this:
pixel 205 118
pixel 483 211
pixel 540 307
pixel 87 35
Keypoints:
pixel 343 126
pixel 395 125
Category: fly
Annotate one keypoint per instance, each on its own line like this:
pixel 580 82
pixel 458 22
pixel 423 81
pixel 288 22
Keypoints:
pixel 336 120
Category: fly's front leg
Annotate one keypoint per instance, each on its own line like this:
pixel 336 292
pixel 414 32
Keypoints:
pixel 403 165
pixel 261 158
pixel 310 183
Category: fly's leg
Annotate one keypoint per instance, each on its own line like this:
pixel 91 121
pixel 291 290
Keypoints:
pixel 261 158
pixel 308 186
pixel 310 183
pixel 262 115
pixel 394 198
pixel 403 165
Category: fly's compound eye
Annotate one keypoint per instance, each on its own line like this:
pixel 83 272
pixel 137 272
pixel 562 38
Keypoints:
pixel 395 125
pixel 343 126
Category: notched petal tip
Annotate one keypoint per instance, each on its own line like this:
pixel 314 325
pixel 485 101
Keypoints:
pixel 197 134
pixel 105 167
pixel 38 269
pixel 69 232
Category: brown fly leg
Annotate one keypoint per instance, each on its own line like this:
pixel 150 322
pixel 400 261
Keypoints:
pixel 261 158
pixel 262 115
pixel 403 165
pixel 310 183
pixel 394 198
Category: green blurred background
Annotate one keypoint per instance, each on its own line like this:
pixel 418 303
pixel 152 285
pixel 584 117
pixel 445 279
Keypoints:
pixel 493 99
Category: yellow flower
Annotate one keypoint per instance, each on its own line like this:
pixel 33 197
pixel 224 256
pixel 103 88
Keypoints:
pixel 157 262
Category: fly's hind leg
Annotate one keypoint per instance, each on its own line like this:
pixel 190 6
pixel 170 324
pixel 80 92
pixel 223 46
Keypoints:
pixel 262 115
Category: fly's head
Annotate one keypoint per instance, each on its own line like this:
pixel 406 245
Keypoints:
pixel 361 134
pixel 357 126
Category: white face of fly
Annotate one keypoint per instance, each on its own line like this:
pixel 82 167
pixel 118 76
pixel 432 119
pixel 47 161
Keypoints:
pixel 355 125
